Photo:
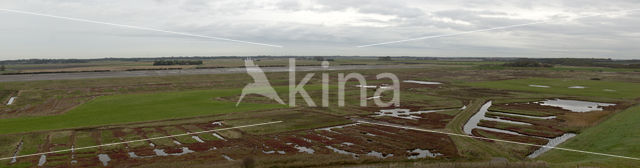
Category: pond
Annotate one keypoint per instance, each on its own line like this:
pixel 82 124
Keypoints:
pixel 575 105
pixel 422 82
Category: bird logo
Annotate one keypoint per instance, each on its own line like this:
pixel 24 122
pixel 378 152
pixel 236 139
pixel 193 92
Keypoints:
pixel 260 85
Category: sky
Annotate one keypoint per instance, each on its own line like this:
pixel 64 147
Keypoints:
pixel 566 28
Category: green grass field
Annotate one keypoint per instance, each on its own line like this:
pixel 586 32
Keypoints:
pixel 595 88
pixel 618 135
pixel 118 109
pixel 497 66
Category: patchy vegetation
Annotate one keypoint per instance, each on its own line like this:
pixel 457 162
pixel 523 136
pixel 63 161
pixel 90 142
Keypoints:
pixel 58 114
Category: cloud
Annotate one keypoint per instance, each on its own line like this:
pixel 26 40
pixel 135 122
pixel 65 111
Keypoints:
pixel 321 27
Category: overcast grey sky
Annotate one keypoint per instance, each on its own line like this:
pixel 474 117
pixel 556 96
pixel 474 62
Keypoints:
pixel 321 27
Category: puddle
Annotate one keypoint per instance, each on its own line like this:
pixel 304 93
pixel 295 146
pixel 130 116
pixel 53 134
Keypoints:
pixel 347 144
pixel 185 150
pixel 73 155
pixel 218 136
pixel 104 158
pixel 608 90
pixel 217 123
pixel 340 151
pixel 379 155
pixel 368 86
pixel 463 107
pixel 304 149
pixel 15 154
pixel 369 134
pixel 374 97
pixel 176 142
pixel 524 116
pixel 272 152
pixel 422 82
pixel 227 157
pixel 43 160
pixel 575 105
pixel 339 126
pixel 402 113
pixel 386 87
pixel 197 139
pixel 268 152
pixel 552 143
pixel 160 152
pixel 539 86
pixel 420 153
pixel 133 155
pixel 11 100
pixel 577 87
pixel 152 145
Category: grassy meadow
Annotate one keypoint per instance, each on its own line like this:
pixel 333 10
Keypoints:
pixel 594 88
pixel 119 109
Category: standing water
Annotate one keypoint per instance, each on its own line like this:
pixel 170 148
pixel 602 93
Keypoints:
pixel 197 138
pixel 539 86
pixel 575 105
pixel 475 119
pixel 43 159
pixel 552 143
pixel 420 153
pixel 11 100
pixel 423 82
pixel 104 158
pixel 379 154
pixel 15 154
pixel 480 115
pixel 402 113
pixel 218 136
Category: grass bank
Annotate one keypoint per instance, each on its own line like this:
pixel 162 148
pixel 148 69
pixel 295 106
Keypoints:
pixel 619 135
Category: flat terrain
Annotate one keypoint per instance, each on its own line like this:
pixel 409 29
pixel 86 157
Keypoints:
pixel 143 73
pixel 595 88
pixel 58 111
pixel 119 109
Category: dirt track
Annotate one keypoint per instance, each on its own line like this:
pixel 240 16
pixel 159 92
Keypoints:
pixel 116 74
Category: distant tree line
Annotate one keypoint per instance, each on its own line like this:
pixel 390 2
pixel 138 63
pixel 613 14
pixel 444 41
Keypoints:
pixel 45 61
pixel 526 63
pixel 387 58
pixel 177 62
pixel 320 58
pixel 590 62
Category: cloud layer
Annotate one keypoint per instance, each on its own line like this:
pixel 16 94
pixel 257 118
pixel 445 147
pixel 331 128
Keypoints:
pixel 321 27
